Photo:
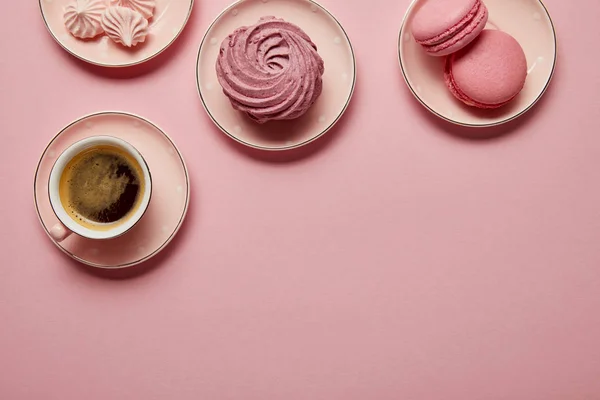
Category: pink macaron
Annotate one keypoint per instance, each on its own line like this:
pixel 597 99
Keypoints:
pixel 443 27
pixel 488 73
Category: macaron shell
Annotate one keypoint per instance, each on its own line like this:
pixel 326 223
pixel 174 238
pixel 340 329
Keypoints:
pixel 438 16
pixel 450 83
pixel 460 95
pixel 490 71
pixel 464 37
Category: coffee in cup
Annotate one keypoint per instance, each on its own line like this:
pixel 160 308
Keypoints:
pixel 99 188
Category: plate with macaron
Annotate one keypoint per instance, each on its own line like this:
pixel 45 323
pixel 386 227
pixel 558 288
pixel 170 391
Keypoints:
pixel 275 75
pixel 477 63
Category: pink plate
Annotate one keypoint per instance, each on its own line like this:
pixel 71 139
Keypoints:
pixel 527 20
pixel 167 24
pixel 338 81
pixel 170 191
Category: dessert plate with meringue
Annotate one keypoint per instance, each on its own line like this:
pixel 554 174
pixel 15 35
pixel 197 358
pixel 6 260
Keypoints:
pixel 275 74
pixel 115 33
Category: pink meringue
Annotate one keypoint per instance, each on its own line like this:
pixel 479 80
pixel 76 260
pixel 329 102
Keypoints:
pixel 125 26
pixel 144 7
pixel 270 71
pixel 82 18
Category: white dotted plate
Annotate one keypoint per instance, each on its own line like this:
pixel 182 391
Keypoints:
pixel 170 191
pixel 338 81
pixel 527 20
pixel 170 17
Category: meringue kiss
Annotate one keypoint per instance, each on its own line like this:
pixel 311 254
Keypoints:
pixel 125 26
pixel 83 18
pixel 144 7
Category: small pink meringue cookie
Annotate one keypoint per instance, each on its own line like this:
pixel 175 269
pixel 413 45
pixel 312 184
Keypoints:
pixel 144 7
pixel 125 26
pixel 270 71
pixel 82 18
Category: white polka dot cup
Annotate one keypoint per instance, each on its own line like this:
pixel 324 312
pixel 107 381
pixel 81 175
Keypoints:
pixel 78 224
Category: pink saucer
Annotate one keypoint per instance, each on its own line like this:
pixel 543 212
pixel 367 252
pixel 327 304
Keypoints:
pixel 528 21
pixel 169 19
pixel 170 197
pixel 338 81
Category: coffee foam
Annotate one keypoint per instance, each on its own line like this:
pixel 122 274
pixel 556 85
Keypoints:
pixel 101 186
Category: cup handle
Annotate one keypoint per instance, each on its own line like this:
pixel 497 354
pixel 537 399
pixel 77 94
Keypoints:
pixel 59 232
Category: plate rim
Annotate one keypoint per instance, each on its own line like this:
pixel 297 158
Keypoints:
pixel 286 147
pixel 179 224
pixel 106 65
pixel 484 125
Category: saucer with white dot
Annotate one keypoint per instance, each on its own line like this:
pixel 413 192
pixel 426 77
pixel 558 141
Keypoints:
pixel 170 191
pixel 528 21
pixel 169 20
pixel 339 78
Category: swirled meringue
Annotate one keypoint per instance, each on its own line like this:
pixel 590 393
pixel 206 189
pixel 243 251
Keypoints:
pixel 271 70
pixel 125 26
pixel 82 18
pixel 144 7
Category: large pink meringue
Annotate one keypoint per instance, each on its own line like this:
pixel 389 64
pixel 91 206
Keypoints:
pixel 270 71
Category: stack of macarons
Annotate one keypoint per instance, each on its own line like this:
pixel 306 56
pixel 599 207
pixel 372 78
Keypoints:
pixel 484 68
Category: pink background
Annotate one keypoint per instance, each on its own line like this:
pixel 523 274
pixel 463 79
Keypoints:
pixel 397 258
